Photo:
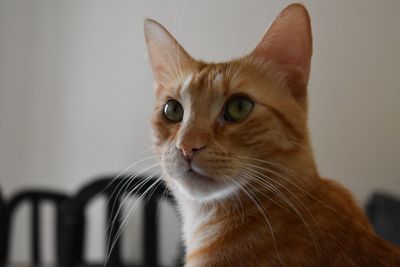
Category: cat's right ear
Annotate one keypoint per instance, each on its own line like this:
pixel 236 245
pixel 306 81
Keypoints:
pixel 169 61
pixel 288 43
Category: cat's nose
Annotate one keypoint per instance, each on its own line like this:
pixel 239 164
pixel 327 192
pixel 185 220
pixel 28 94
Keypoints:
pixel 190 147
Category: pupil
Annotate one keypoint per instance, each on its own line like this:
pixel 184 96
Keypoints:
pixel 240 105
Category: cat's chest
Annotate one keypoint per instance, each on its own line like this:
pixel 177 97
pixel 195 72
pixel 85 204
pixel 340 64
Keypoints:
pixel 198 228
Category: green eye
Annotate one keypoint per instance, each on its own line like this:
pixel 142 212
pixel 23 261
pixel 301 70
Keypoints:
pixel 237 108
pixel 173 111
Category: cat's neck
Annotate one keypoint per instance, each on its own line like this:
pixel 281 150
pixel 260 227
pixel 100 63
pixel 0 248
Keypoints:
pixel 194 215
pixel 293 180
pixel 203 220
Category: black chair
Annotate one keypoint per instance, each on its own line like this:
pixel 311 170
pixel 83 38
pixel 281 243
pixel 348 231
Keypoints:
pixel 73 224
pixel 383 211
pixel 2 231
pixel 35 198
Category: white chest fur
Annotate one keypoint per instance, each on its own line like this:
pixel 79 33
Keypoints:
pixel 194 217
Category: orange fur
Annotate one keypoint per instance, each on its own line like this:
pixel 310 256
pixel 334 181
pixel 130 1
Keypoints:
pixel 280 212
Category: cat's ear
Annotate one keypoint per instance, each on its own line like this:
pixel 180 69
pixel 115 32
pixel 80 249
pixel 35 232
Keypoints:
pixel 288 42
pixel 167 57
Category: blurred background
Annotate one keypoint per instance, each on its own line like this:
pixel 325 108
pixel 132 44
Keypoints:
pixel 76 95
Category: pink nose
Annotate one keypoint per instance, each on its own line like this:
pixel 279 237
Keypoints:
pixel 188 148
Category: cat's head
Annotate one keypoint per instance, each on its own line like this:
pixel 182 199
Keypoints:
pixel 213 122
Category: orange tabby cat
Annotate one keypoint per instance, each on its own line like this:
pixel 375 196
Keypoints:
pixel 234 147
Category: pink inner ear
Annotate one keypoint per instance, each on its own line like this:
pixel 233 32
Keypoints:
pixel 288 43
pixel 167 57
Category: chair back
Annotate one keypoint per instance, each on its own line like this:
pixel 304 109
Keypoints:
pixel 115 190
pixel 35 198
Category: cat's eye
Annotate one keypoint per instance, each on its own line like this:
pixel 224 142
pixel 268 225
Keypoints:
pixel 173 111
pixel 237 108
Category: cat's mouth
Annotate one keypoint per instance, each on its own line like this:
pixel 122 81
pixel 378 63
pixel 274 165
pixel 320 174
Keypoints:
pixel 196 183
pixel 193 167
pixel 195 172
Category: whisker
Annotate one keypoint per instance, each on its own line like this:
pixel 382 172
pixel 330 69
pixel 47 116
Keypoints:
pixel 251 174
pixel 275 164
pixel 263 175
pixel 263 213
pixel 231 195
pixel 236 198
pixel 125 170
pixel 279 175
pixel 126 184
pixel 269 186
pixel 131 210
pixel 164 197
pixel 292 174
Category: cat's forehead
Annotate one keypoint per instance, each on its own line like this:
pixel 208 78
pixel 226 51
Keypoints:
pixel 209 82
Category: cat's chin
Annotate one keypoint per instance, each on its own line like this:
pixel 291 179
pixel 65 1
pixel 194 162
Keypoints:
pixel 196 186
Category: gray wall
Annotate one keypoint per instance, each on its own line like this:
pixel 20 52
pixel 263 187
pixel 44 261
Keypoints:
pixel 76 90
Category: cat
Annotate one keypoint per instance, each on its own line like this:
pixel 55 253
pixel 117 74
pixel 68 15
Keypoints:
pixel 234 147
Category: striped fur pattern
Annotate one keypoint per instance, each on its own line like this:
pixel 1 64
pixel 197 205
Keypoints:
pixel 250 193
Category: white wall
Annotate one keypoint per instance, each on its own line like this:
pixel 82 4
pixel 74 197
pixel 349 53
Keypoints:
pixel 76 88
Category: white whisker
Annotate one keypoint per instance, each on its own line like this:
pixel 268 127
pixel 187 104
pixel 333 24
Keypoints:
pixel 127 183
pixel 131 210
pixel 264 213
pixel 256 176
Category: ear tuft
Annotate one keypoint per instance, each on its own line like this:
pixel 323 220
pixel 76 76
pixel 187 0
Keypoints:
pixel 288 43
pixel 167 57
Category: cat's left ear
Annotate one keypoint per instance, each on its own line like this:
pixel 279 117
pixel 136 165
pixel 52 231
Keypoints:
pixel 167 57
pixel 288 43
